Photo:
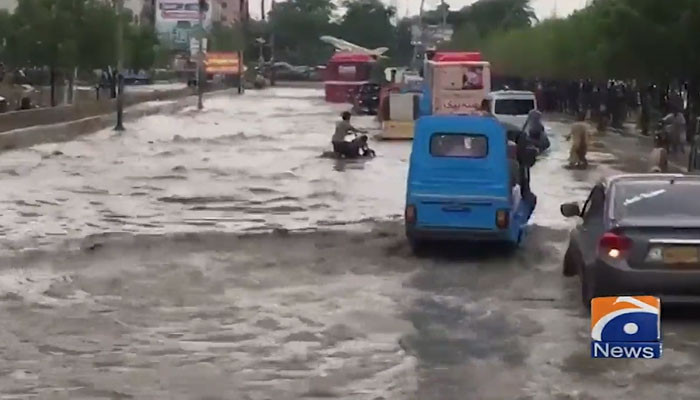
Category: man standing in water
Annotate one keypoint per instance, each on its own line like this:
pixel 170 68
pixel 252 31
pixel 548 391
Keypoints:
pixel 342 129
pixel 676 131
pixel 579 143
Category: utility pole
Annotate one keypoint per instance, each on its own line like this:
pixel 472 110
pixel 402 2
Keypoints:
pixel 119 4
pixel 444 14
pixel 272 50
pixel 262 10
pixel 200 56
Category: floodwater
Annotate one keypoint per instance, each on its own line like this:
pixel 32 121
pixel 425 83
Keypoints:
pixel 137 266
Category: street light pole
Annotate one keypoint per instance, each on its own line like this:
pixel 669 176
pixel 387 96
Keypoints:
pixel 119 4
pixel 200 58
pixel 272 49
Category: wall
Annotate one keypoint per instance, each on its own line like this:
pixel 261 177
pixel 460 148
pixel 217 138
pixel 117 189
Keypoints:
pixel 46 116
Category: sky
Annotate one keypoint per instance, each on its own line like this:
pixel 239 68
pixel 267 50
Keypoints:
pixel 543 8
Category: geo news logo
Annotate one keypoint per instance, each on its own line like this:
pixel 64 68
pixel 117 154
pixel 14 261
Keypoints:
pixel 626 327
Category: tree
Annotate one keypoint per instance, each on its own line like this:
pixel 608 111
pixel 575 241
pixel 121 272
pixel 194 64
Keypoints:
pixel 489 16
pixel 140 44
pixel 297 25
pixel 226 38
pixel 368 24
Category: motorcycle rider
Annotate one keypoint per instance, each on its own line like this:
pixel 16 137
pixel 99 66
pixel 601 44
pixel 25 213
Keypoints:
pixel 348 149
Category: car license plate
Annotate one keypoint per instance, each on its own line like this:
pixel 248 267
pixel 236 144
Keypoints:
pixel 680 255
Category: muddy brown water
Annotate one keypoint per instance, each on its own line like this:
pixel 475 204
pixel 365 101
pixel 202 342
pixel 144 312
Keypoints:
pixel 133 268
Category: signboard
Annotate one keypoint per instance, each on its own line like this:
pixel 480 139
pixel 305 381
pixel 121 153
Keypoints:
pixel 457 102
pixel 194 46
pixel 178 20
pixel 222 63
pixel 460 77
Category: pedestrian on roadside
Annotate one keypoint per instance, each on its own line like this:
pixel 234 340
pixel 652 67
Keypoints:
pixel 675 127
pixel 579 142
pixel 658 159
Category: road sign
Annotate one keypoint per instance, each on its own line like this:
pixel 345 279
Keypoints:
pixel 222 63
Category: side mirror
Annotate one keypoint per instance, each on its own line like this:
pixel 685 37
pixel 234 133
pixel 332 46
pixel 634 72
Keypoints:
pixel 570 210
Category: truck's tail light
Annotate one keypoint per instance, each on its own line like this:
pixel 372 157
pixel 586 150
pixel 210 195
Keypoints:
pixel 614 245
pixel 410 214
pixel 502 219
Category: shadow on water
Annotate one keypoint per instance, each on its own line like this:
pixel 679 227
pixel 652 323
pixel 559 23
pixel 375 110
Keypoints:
pixel 466 251
pixel 685 313
pixel 343 164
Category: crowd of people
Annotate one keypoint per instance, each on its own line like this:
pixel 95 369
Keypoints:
pixel 663 112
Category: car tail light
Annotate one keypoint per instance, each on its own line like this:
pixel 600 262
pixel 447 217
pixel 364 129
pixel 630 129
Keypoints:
pixel 502 218
pixel 614 245
pixel 410 214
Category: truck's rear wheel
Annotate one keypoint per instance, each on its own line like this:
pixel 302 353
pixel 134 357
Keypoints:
pixel 418 247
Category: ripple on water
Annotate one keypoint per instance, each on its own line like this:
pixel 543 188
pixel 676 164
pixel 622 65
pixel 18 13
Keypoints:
pixel 198 199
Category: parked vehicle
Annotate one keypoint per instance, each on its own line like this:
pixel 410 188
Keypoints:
pixel 366 99
pixel 637 235
pixel 286 72
pixel 137 78
pixel 462 184
pixel 510 106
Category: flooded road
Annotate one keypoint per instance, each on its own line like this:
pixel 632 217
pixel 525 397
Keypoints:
pixel 133 268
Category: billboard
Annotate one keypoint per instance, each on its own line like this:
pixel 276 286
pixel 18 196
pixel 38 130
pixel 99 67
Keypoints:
pixel 178 20
pixel 460 89
pixel 222 63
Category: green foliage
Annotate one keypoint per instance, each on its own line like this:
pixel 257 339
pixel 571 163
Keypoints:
pixel 367 23
pixel 297 25
pixel 140 44
pixel 226 38
pixel 64 34
pixel 625 39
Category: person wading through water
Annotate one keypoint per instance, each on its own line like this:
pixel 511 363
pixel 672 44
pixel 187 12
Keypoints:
pixel 675 123
pixel 579 143
pixel 342 129
pixel 658 159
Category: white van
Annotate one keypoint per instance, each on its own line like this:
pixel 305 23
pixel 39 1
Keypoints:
pixel 511 106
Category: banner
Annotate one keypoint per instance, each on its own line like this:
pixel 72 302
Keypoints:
pixel 457 102
pixel 460 88
pixel 222 63
pixel 178 20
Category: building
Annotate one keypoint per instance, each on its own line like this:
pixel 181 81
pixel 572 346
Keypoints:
pixel 228 12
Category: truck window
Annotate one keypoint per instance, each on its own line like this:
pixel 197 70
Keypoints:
pixel 514 106
pixel 459 145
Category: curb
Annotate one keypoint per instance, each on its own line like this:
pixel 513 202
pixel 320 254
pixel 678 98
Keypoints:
pixel 67 131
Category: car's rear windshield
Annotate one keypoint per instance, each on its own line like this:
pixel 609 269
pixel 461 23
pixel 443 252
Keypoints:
pixel 514 106
pixel 657 200
pixel 463 145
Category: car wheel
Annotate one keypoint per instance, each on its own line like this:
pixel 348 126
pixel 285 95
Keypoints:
pixel 570 268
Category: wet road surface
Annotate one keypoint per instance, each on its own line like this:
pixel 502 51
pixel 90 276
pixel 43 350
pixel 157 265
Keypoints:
pixel 138 272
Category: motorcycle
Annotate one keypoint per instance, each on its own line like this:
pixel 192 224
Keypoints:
pixel 540 140
pixel 366 101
